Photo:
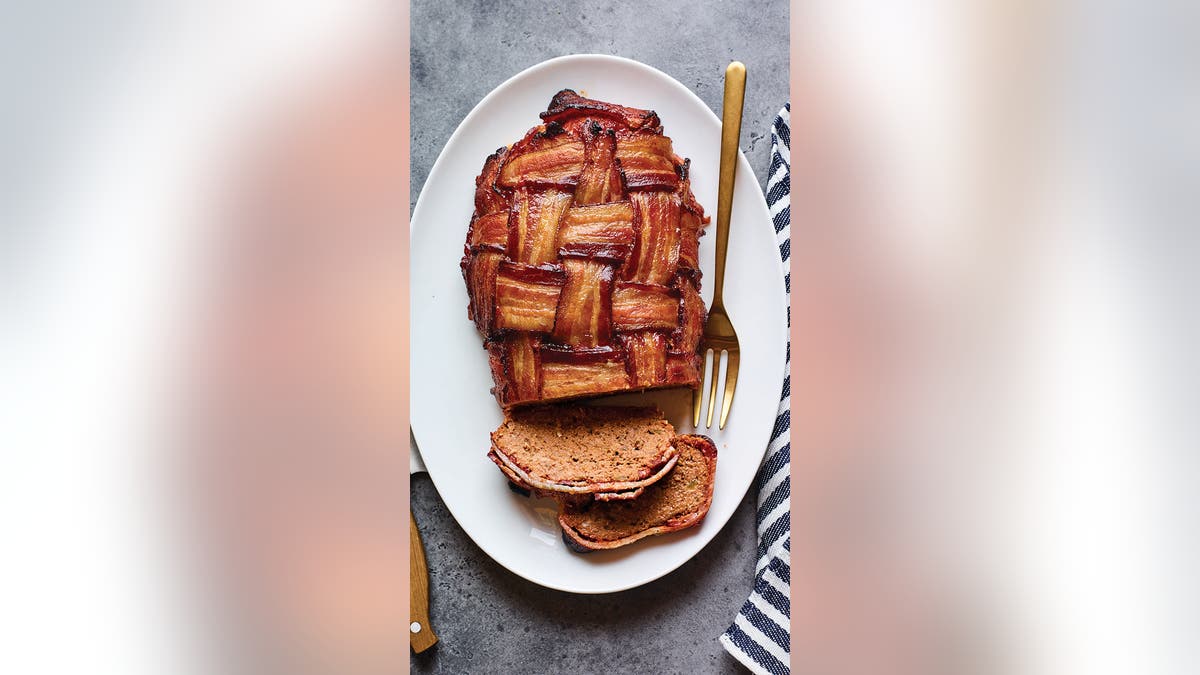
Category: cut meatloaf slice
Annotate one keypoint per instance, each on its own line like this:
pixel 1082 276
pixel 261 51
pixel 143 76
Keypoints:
pixel 610 453
pixel 679 501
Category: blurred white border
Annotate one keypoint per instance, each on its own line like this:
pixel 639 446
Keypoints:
pixel 95 274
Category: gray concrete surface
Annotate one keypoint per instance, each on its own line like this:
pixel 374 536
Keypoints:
pixel 463 50
pixel 489 620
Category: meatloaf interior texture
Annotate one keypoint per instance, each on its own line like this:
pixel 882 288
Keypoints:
pixel 580 446
pixel 679 500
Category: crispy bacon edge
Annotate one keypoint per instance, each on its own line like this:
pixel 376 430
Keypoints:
pixel 568 103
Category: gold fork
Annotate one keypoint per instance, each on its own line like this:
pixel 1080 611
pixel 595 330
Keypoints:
pixel 719 335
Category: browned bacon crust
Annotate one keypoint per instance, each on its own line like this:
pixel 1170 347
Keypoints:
pixel 581 259
pixel 568 105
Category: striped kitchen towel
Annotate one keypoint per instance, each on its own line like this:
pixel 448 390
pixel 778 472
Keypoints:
pixel 760 634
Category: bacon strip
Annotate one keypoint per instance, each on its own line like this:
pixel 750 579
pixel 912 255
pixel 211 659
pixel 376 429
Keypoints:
pixel 583 356
pixel 692 315
pixel 480 273
pixel 567 103
pixel 684 369
pixel 685 192
pixel 488 198
pixel 526 297
pixel 583 315
pixel 600 181
pixel 656 250
pixel 521 362
pixel 585 372
pixel 646 358
pixel 490 232
pixel 496 357
pixel 690 229
pixel 546 160
pixel 533 225
pixel 647 162
pixel 644 307
pixel 597 231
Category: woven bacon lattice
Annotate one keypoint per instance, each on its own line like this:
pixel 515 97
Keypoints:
pixel 581 259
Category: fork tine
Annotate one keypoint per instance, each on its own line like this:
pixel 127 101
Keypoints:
pixel 698 392
pixel 731 373
pixel 712 389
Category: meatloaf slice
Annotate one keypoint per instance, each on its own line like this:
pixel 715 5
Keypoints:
pixel 610 453
pixel 679 501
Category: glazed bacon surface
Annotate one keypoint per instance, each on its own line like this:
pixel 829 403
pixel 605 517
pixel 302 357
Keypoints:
pixel 581 259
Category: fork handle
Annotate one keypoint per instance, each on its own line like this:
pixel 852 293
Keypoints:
pixel 731 133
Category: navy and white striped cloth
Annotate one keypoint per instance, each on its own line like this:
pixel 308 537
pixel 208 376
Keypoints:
pixel 761 632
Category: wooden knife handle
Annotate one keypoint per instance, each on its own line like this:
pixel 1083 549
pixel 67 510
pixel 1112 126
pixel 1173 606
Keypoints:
pixel 420 633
